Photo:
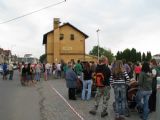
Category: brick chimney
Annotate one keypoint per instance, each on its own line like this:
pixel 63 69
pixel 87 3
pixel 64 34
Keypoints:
pixel 56 48
pixel 56 23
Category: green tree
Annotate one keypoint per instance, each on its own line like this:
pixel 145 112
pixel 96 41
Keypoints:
pixel 94 51
pixel 119 55
pixel 139 58
pixel 102 52
pixel 143 57
pixel 43 58
pixel 133 55
pixel 149 56
pixel 127 54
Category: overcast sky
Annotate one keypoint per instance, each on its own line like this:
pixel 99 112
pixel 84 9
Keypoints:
pixel 122 23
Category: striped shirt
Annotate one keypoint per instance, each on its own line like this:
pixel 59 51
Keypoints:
pixel 122 78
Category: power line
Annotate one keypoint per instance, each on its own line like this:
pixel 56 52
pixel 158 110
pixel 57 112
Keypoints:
pixel 33 12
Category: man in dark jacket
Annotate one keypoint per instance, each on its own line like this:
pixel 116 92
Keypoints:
pixel 104 90
pixel 71 82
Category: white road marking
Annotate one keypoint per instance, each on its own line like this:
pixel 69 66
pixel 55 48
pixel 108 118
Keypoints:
pixel 66 102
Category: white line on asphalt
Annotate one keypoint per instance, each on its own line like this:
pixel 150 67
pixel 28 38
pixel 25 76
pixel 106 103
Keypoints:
pixel 67 102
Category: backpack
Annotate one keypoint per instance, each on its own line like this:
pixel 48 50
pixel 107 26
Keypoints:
pixel 99 79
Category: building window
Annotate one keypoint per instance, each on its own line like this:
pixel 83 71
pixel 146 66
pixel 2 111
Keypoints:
pixel 61 36
pixel 72 36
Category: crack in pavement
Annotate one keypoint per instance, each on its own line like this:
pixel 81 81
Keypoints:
pixel 41 104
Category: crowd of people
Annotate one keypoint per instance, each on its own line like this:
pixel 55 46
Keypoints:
pixel 7 69
pixel 118 76
pixel 84 77
pixel 30 74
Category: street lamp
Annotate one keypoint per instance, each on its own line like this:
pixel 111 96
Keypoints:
pixel 98 41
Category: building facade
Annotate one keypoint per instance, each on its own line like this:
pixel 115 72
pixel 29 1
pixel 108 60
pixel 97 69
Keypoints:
pixel 1 56
pixel 5 56
pixel 64 42
pixel 157 58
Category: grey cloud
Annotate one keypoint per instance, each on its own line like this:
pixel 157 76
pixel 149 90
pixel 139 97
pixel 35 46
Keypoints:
pixel 121 21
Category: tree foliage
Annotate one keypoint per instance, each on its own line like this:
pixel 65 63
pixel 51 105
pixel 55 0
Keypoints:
pixel 149 56
pixel 43 58
pixel 143 57
pixel 133 56
pixel 139 58
pixel 102 52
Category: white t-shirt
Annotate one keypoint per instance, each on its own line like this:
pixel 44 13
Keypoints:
pixel 59 67
pixel 154 72
pixel 47 66
pixel 10 67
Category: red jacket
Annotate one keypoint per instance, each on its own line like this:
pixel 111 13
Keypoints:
pixel 137 69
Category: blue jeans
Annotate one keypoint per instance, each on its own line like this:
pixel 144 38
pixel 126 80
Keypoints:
pixel 120 99
pixel 37 76
pixel 48 72
pixel 87 85
pixel 10 75
pixel 142 101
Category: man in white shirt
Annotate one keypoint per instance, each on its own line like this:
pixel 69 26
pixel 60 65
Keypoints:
pixel 58 70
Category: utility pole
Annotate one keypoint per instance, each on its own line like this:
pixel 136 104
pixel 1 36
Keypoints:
pixel 98 41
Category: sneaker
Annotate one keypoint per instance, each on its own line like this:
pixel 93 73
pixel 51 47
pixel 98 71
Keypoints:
pixel 104 113
pixel 93 112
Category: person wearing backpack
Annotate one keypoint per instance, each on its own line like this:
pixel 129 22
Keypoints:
pixel 120 80
pixel 103 74
pixel 156 73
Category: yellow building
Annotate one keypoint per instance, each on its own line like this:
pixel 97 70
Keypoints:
pixel 64 42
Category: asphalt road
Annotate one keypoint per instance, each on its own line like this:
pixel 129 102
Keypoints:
pixel 17 102
pixel 48 100
pixel 37 102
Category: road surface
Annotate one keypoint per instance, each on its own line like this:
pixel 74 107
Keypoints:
pixel 47 101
